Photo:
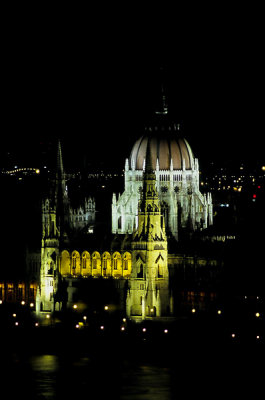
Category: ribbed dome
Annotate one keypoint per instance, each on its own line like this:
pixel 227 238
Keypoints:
pixel 164 148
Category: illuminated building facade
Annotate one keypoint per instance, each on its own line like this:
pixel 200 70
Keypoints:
pixel 177 182
pixel 137 260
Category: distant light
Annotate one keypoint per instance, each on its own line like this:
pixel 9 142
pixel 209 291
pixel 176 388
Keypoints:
pixel 75 306
pixel 23 303
pixel 193 310
pixel 254 196
pixel 102 327
pixel 219 312
pixel 233 335
pixel 31 305
pixel 14 315
pixel 1 301
pixel 37 171
pixel 165 330
pixel 77 326
pixel 16 323
pixel 144 329
pixel 257 314
pixel 122 328
pixel 48 316
pixel 106 308
pixel 263 168
pixel 36 324
pixel 124 319
pixel 84 317
pixel 257 337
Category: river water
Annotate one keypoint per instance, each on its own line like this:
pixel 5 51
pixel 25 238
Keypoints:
pixel 68 376
pixel 56 365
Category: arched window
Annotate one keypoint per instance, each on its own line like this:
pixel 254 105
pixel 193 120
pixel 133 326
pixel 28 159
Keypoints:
pixel 141 271
pixel 74 261
pixel 84 261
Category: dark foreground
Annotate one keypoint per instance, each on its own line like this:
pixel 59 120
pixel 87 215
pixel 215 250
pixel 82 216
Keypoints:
pixel 144 361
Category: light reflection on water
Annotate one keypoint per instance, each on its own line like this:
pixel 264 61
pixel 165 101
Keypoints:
pixel 50 377
pixel 68 376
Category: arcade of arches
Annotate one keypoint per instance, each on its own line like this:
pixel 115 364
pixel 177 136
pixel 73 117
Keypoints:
pixel 116 265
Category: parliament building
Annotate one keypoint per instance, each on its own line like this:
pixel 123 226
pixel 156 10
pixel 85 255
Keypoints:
pixel 141 268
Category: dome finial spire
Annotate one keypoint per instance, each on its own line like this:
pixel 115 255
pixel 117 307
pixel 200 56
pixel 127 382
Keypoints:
pixel 163 101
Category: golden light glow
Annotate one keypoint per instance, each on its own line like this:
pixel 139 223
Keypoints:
pixel 106 308
pixel 193 310
pixel 31 305
pixel 263 168
pixel 165 330
pixel 257 314
pixel 219 312
pixel 1 301
pixel 75 306
pixel 23 303
pixel 14 315
pixel 48 316
pixel 102 327
pixel 233 335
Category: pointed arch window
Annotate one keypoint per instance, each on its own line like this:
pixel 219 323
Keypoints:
pixel 115 262
pixel 84 261
pixel 74 261
pixel 141 271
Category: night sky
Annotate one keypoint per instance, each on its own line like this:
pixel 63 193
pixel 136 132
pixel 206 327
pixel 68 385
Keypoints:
pixel 94 86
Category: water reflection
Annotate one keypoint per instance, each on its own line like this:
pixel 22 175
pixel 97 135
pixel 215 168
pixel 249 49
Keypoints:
pixel 44 375
pixel 100 376
pixel 49 376
pixel 146 382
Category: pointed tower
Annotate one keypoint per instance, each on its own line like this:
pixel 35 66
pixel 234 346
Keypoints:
pixel 162 108
pixel 54 219
pixel 61 196
pixel 147 295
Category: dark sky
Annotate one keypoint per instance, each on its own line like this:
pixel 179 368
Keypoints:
pixel 92 80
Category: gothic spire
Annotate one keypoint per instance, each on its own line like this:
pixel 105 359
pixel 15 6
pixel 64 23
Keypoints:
pixel 163 107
